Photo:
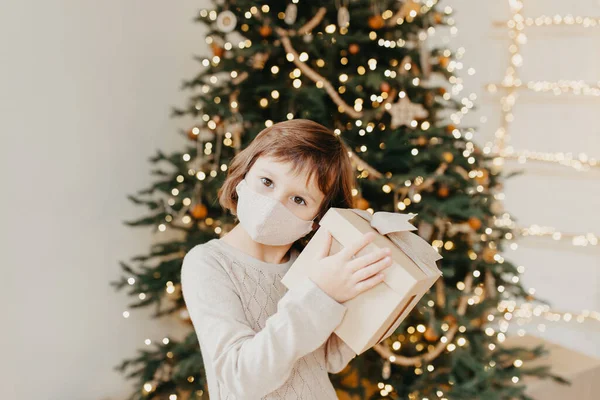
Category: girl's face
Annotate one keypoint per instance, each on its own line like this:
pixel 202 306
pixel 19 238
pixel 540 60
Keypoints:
pixel 275 179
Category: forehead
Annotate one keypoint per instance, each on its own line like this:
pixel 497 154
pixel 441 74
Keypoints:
pixel 285 172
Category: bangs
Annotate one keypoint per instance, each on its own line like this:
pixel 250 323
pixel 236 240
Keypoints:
pixel 309 162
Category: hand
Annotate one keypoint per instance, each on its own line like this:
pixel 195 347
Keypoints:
pixel 344 276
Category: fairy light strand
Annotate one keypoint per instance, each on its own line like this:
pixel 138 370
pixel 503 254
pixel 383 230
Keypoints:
pixel 527 311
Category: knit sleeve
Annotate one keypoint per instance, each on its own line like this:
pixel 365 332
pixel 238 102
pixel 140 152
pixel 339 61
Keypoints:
pixel 337 354
pixel 252 364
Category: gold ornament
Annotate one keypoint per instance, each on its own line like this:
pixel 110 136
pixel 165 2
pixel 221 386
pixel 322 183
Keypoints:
pixel 259 60
pixel 482 176
pixel 447 156
pixel 444 61
pixel 488 255
pixel 353 48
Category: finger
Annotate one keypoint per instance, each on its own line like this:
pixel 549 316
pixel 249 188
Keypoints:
pixel 360 262
pixel 372 269
pixel 369 283
pixel 326 245
pixel 354 248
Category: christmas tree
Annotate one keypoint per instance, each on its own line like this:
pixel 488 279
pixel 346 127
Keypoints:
pixel 367 70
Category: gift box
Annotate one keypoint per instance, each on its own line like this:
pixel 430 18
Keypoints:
pixel 374 314
pixel 581 370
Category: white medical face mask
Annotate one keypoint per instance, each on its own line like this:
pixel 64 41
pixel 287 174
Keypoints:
pixel 266 220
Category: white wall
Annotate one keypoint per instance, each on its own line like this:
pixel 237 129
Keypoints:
pixel 86 93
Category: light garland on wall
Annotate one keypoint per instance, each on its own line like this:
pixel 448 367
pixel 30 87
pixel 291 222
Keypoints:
pixel 582 163
pixel 578 88
pixel 556 20
pixel 582 240
pixel 526 311
pixel 529 311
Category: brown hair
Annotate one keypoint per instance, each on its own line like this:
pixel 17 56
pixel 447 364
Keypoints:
pixel 307 145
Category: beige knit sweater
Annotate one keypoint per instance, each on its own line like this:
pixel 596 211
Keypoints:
pixel 258 339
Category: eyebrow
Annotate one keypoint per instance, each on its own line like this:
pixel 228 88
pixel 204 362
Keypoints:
pixel 266 171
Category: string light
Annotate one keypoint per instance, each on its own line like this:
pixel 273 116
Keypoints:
pixel 527 311
pixel 560 87
pixel 556 20
pixel 588 239
pixel 582 163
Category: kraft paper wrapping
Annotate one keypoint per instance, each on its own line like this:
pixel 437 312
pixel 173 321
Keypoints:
pixel 397 228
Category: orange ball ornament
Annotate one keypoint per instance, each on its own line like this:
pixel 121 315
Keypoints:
pixel 443 191
pixel 193 133
pixel 438 17
pixel 431 335
pixel 265 31
pixel 482 176
pixel 444 61
pixel 450 128
pixel 488 255
pixel 385 87
pixel 421 140
pixel 217 50
pixel 353 48
pixel 376 22
pixel 447 156
pixel 450 320
pixel 474 223
pixel 199 211
pixel 362 203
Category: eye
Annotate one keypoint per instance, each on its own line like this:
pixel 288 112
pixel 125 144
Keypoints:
pixel 296 197
pixel 269 182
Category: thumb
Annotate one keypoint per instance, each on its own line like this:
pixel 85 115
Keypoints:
pixel 325 242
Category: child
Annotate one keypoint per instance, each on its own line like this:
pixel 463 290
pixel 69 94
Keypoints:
pixel 259 340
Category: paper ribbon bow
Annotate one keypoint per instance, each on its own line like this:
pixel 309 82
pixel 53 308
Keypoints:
pixel 397 228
